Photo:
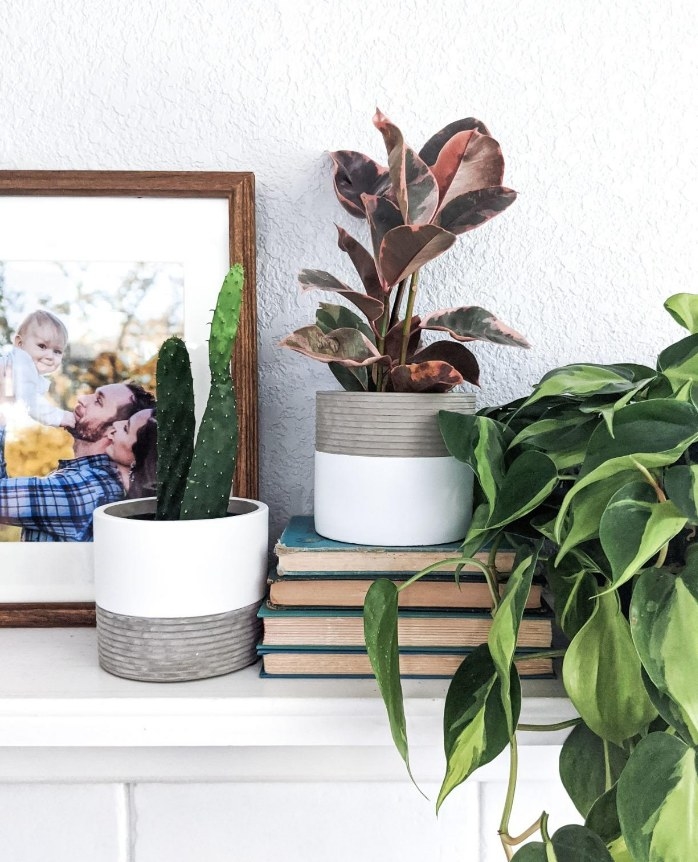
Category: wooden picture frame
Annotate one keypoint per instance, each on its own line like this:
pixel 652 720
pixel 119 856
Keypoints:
pixel 233 194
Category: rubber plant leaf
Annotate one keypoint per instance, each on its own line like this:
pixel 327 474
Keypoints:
pixel 354 175
pixel 317 279
pixel 589 767
pixel 635 527
pixel 430 151
pixel 456 355
pixel 683 307
pixel 467 162
pixel 393 340
pixel 330 317
pixel 414 184
pixel 382 216
pixel 468 211
pixel 475 725
pixel 431 376
pixel 364 264
pixel 601 673
pixel 407 248
pixel 664 625
pixel 381 636
pixel 346 346
pixel 472 323
pixel 658 800
pixel 504 631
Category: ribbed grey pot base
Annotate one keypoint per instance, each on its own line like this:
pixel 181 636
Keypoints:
pixel 177 649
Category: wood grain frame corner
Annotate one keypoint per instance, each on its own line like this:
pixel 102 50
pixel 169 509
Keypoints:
pixel 238 189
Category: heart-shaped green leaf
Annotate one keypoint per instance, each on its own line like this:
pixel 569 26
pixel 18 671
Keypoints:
pixel 635 527
pixel 380 633
pixel 589 767
pixel 664 625
pixel 601 673
pixel 574 589
pixel 569 844
pixel 529 480
pixel 679 362
pixel 475 725
pixel 681 486
pixel 671 712
pixel 683 307
pixel 581 380
pixel 658 800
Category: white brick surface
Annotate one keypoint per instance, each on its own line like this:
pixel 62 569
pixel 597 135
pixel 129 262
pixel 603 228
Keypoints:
pixel 63 823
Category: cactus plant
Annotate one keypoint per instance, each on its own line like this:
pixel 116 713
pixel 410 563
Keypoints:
pixel 194 479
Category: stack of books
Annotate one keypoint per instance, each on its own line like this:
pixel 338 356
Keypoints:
pixel 313 618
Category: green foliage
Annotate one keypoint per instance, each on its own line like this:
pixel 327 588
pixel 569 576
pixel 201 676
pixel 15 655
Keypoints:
pixel 598 468
pixel 194 480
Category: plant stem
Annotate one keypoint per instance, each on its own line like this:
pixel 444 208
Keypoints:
pixel 511 787
pixel 561 725
pixel 510 841
pixel 546 653
pixel 608 780
pixel 411 296
pixel 395 313
pixel 661 496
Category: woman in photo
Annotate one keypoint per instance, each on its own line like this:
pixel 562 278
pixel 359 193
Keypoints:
pixel 133 451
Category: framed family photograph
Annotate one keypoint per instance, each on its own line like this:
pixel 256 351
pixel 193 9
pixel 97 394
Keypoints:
pixel 97 269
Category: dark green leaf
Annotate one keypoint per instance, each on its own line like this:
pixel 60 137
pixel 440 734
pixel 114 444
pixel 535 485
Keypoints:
pixel 634 528
pixel 603 814
pixel 380 633
pixel 574 589
pixel 475 725
pixel 670 712
pixel 679 362
pixel 585 765
pixel 581 380
pixel 681 486
pixel 569 844
pixel 529 480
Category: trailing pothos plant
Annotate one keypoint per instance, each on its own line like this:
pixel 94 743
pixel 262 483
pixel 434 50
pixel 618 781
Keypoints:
pixel 415 208
pixel 594 477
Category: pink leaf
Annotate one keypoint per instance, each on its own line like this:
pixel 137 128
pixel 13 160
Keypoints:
pixel 413 182
pixel 346 346
pixel 472 323
pixel 382 216
pixel 317 279
pixel 433 376
pixel 469 161
pixel 407 248
pixel 354 175
pixel 430 151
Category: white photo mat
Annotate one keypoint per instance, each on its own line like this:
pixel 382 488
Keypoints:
pixel 192 231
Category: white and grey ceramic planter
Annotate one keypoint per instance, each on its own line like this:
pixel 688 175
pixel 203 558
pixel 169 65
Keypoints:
pixel 383 475
pixel 178 600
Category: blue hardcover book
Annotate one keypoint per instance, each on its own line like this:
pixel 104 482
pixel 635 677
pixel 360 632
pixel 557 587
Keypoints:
pixel 301 550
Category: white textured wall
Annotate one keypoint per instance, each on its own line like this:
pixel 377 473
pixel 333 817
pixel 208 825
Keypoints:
pixel 594 104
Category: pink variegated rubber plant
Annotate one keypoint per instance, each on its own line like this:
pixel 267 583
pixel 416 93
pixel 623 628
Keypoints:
pixel 415 209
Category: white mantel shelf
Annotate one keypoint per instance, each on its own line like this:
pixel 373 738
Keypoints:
pixel 54 698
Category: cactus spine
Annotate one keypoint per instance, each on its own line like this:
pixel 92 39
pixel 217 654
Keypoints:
pixel 175 445
pixel 210 477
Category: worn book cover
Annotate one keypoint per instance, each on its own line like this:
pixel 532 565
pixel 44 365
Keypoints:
pixel 301 549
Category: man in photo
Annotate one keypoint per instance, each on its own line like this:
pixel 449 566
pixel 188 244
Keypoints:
pixel 59 507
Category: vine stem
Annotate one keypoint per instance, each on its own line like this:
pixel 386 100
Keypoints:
pixel 661 498
pixel 511 787
pixel 411 297
pixel 458 561
pixel 561 725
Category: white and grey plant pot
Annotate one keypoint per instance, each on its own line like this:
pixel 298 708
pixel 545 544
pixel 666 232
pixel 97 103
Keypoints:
pixel 383 475
pixel 178 600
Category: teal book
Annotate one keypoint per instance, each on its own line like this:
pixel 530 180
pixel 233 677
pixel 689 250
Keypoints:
pixel 301 550
pixel 419 663
pixel 452 628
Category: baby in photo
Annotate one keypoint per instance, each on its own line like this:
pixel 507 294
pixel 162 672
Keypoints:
pixel 39 345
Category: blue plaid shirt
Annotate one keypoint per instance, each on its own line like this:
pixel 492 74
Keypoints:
pixel 58 507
